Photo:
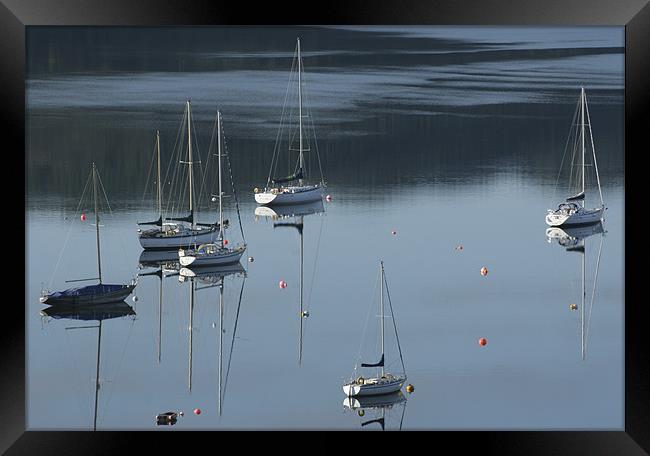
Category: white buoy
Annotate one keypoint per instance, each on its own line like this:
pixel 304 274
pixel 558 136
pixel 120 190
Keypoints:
pixel 135 299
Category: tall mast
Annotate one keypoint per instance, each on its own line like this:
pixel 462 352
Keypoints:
pixel 159 185
pixel 191 163
pixel 99 259
pixel 220 192
pixel 593 148
pixel 301 291
pixel 381 300
pixel 189 378
pixel 582 138
pixel 302 159
pixel 99 345
pixel 582 312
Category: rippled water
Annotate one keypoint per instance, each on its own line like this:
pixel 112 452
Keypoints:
pixel 448 137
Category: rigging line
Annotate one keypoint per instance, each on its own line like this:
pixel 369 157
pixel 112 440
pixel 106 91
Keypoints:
pixel 313 127
pixel 119 365
pixel 232 184
pixel 390 304
pixel 593 291
pixel 593 148
pixel 573 120
pixel 176 169
pixel 175 152
pixel 110 211
pixel 365 327
pixel 232 342
pixel 402 419
pixel 153 158
pixel 67 237
pixel 202 169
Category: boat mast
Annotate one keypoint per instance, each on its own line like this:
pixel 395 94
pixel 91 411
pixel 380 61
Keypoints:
pixel 381 300
pixel 190 163
pixel 159 187
pixel 220 192
pixel 99 345
pixel 582 138
pixel 301 290
pixel 189 378
pixel 99 259
pixel 582 310
pixel 160 294
pixel 220 339
pixel 302 159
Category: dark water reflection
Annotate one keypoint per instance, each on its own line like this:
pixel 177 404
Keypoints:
pixel 448 141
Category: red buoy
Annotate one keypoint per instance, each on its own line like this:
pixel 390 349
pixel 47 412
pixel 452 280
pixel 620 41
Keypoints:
pixel 197 411
pixel 482 341
pixel 282 284
pixel 484 271
pixel 225 242
pixel 328 198
pixel 83 217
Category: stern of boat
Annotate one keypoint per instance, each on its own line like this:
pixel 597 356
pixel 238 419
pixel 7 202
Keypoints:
pixel 265 197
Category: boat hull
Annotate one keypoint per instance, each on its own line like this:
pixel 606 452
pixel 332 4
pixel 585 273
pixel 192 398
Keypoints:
pixel 581 217
pixel 270 199
pixel 373 389
pixel 183 240
pixel 88 299
pixel 211 259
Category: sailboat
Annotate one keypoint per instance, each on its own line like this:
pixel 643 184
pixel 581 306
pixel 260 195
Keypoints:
pixel 297 211
pixel 174 235
pixel 573 240
pixel 98 312
pixel 90 294
pixel 383 382
pixel 214 253
pixel 573 210
pixel 384 402
pixel 277 191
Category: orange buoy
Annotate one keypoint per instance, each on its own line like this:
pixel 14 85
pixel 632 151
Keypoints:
pixel 197 411
pixel 83 217
pixel 282 284
pixel 484 271
pixel 482 341
pixel 409 388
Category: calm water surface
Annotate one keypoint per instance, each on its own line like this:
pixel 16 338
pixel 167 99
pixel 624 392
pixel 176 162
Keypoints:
pixel 447 137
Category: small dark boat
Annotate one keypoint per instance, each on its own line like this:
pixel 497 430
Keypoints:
pixel 166 419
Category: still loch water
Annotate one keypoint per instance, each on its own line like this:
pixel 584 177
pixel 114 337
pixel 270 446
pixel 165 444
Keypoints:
pixel 448 136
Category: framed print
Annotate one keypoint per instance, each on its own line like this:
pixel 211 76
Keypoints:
pixel 415 217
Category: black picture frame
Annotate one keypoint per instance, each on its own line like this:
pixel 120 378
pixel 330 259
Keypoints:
pixel 16 15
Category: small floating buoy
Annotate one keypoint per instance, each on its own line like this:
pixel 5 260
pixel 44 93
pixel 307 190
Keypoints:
pixel 214 198
pixel 305 313
pixel 393 232
pixel 328 198
pixel 225 242
pixel 573 306
pixel 135 299
pixel 251 259
pixel 256 190
pixel 459 247
pixel 197 411
pixel 409 388
pixel 361 412
pixel 482 341
pixel 181 413
pixel 484 271
pixel 214 324
pixel 282 284
pixel 83 217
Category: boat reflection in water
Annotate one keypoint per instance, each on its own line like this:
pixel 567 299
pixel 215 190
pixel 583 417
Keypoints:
pixel 292 216
pixel 574 240
pixel 164 259
pixel 98 312
pixel 374 408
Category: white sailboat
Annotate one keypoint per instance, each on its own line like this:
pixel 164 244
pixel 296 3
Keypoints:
pixel 573 210
pixel 383 382
pixel 276 192
pixel 214 253
pixel 171 234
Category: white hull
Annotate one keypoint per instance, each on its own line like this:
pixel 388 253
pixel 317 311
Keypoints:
pixel 371 389
pixel 213 259
pixel 185 240
pixel 580 217
pixel 270 198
